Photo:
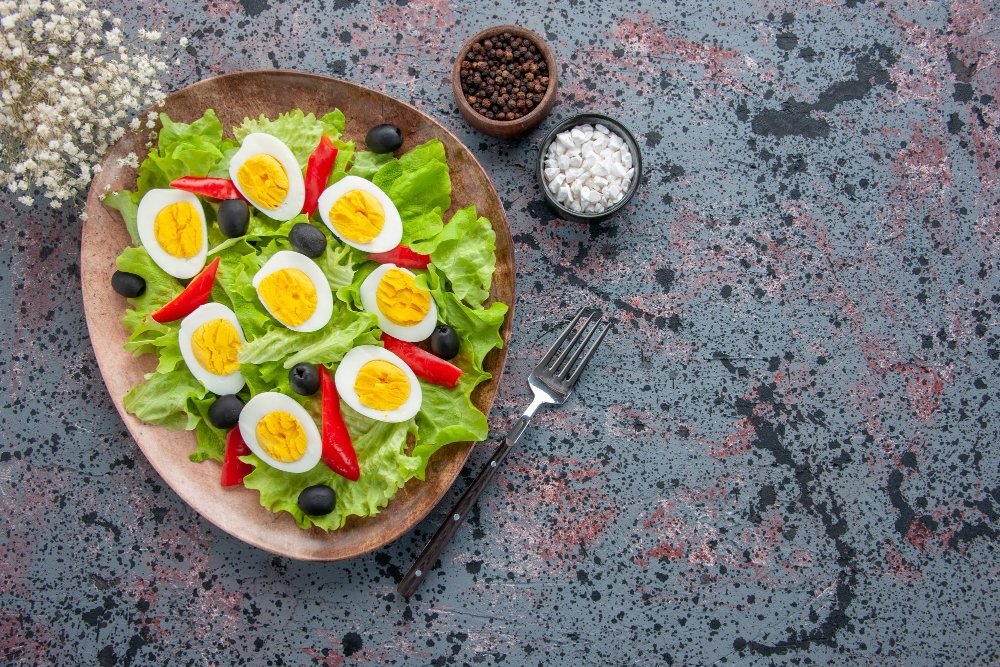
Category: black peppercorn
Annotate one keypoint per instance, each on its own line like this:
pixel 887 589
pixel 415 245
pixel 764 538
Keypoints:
pixel 499 75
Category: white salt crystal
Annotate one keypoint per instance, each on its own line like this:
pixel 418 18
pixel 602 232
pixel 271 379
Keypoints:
pixel 588 168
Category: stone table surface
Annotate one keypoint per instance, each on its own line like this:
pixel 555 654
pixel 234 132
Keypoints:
pixel 786 455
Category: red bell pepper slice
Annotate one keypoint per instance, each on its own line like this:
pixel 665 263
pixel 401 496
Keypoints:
pixel 424 365
pixel 401 256
pixel 195 294
pixel 318 170
pixel 215 188
pixel 234 470
pixel 338 450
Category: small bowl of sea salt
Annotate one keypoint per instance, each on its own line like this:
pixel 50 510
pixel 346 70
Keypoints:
pixel 589 166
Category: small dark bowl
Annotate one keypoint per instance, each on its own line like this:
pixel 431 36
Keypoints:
pixel 505 129
pixel 592 119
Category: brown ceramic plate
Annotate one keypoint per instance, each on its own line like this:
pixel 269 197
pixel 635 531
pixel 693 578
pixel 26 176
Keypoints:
pixel 237 510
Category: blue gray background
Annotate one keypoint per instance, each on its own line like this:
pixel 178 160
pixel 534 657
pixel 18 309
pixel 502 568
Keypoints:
pixel 786 455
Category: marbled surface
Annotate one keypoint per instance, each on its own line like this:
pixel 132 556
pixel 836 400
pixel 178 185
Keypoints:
pixel 787 454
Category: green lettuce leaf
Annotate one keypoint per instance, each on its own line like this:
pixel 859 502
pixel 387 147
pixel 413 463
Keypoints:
pixel 448 415
pixel 465 251
pixel 126 203
pixel 165 399
pixel 367 163
pixel 338 261
pixel 418 183
pixel 478 329
pixel 211 440
pixel 145 334
pixel 345 330
pixel 424 226
pixel 182 149
pixel 385 468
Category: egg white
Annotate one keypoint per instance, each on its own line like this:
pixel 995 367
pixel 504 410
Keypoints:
pixel 263 404
pixel 412 333
pixel 289 259
pixel 217 384
pixel 392 229
pixel 151 204
pixel 259 142
pixel 348 369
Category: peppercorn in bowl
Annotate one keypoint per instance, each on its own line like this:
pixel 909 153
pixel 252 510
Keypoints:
pixel 504 81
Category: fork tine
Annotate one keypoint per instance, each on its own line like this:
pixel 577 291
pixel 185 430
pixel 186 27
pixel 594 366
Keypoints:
pixel 574 351
pixel 544 363
pixel 573 343
pixel 586 357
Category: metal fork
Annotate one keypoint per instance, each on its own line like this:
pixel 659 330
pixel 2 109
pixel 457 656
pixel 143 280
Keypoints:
pixel 551 382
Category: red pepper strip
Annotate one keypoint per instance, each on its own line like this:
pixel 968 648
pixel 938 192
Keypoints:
pixel 215 188
pixel 318 172
pixel 195 294
pixel 234 470
pixel 401 256
pixel 424 365
pixel 338 451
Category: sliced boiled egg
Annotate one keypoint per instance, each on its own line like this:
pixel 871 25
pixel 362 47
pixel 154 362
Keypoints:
pixel 361 215
pixel 210 339
pixel 280 432
pixel 378 384
pixel 171 226
pixel 405 310
pixel 294 291
pixel 266 172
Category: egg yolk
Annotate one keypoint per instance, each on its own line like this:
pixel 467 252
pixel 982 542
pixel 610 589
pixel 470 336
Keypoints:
pixel 358 216
pixel 400 299
pixel 216 345
pixel 289 295
pixel 281 435
pixel 177 228
pixel 381 385
pixel 264 180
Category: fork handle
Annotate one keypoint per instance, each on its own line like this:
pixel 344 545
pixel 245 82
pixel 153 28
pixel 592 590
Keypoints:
pixel 425 561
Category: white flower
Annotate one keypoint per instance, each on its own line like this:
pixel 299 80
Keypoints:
pixel 70 84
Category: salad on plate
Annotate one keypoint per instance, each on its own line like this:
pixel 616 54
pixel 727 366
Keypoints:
pixel 317 321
